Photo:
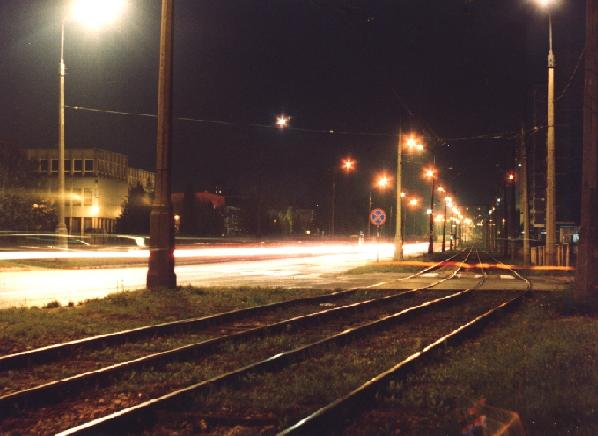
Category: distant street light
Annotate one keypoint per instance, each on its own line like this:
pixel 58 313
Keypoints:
pixel 550 144
pixel 412 144
pixel 282 121
pixel 383 182
pixel 95 14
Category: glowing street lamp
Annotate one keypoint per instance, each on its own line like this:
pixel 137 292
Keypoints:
pixel 348 165
pixel 282 121
pixel 383 182
pixel 95 14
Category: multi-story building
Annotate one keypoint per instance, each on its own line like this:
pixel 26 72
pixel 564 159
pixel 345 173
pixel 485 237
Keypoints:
pixel 97 185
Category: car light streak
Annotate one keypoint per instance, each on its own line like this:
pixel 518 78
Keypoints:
pixel 367 250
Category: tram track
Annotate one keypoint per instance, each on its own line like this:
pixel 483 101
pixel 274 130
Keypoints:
pixel 133 352
pixel 166 409
pixel 360 399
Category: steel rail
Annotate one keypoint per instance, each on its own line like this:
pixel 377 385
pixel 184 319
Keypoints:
pixel 339 410
pixel 328 417
pixel 133 417
pixel 430 268
pixel 52 390
pixel 49 352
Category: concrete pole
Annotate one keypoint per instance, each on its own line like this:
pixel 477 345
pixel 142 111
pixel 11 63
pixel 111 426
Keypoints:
pixel 61 229
pixel 161 260
pixel 332 215
pixel 550 157
pixel 398 233
pixel 431 219
pixel 586 280
pixel 524 201
pixel 444 228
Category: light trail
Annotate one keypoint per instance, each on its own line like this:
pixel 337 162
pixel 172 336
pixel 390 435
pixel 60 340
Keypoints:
pixel 305 265
pixel 369 251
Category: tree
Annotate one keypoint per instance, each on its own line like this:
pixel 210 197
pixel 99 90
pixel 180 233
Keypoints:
pixel 135 213
pixel 20 203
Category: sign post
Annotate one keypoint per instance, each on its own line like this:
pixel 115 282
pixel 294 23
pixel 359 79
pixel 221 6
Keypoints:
pixel 378 218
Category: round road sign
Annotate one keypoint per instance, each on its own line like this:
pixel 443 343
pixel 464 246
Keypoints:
pixel 378 217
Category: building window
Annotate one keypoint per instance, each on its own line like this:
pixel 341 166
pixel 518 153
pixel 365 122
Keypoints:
pixel 88 166
pixel 78 166
pixel 43 165
pixel 87 196
pixel 54 166
pixel 67 166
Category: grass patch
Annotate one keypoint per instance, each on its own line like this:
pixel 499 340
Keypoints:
pixel 541 362
pixel 27 328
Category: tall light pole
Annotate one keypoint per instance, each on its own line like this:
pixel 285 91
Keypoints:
pixel 412 144
pixel 161 261
pixel 61 229
pixel 430 173
pixel 550 146
pixel 95 14
pixel 347 166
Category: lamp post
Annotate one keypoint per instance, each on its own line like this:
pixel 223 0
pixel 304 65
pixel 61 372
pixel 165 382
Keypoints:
pixel 550 146
pixel 447 202
pixel 95 14
pixel 347 166
pixel 430 173
pixel 412 144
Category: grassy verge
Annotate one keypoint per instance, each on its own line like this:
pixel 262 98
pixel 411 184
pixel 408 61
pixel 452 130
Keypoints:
pixel 541 362
pixel 27 328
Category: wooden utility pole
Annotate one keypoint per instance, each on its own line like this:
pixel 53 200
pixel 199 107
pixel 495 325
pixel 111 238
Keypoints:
pixel 161 261
pixel 586 285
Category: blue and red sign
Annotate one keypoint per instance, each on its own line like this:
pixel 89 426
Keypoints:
pixel 378 217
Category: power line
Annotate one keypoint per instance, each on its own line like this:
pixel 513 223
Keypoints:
pixel 572 77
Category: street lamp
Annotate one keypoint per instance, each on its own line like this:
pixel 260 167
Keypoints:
pixel 95 14
pixel 381 182
pixel 282 121
pixel 550 144
pixel 348 165
pixel 431 173
pixel 412 144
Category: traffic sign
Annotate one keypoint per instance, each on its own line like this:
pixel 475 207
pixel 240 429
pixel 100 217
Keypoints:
pixel 378 217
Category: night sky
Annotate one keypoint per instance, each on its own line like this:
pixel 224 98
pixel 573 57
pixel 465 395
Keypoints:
pixel 363 68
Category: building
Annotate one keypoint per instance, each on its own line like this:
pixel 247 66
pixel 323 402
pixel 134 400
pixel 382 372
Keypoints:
pixel 97 185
